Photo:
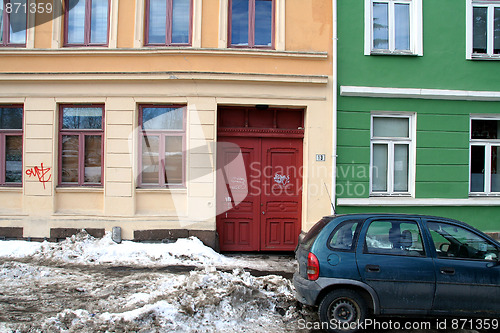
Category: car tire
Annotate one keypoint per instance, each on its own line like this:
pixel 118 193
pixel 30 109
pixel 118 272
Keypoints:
pixel 340 311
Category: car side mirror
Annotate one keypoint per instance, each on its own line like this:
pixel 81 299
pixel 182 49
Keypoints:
pixel 495 262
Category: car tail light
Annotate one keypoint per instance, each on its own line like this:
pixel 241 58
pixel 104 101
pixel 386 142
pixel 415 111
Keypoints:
pixel 312 267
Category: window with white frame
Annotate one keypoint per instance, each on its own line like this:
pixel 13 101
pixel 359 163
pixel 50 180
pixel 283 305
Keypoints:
pixel 393 27
pixel 483 29
pixel 391 154
pixel 484 156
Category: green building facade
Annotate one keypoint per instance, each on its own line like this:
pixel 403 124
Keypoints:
pixel 418 121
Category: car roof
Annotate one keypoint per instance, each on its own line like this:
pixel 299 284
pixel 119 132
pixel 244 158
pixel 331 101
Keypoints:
pixel 369 215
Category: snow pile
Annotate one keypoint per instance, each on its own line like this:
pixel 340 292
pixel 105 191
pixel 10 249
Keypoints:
pixel 18 249
pixel 83 249
pixel 201 301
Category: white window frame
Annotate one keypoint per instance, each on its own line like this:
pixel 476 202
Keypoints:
pixel 490 26
pixel 487 144
pixel 416 39
pixel 391 141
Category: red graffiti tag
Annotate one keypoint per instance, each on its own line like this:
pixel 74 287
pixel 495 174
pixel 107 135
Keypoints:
pixel 39 172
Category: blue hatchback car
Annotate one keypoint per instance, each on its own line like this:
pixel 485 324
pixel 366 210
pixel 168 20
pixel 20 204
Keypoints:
pixel 353 266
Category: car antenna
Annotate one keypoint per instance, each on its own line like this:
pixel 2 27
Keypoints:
pixel 329 197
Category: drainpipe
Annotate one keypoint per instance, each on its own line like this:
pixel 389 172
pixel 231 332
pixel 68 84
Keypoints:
pixel 334 102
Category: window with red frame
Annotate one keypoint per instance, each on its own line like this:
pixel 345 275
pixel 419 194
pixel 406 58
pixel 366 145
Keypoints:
pixel 81 145
pixel 251 23
pixel 161 145
pixel 168 22
pixel 13 19
pixel 86 22
pixel 11 145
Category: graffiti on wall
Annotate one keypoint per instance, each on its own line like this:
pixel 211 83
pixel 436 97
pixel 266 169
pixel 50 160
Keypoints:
pixel 41 173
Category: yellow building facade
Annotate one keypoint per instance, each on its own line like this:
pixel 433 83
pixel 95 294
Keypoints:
pixel 54 77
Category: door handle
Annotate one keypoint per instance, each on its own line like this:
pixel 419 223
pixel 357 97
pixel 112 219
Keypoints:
pixel 447 270
pixel 372 268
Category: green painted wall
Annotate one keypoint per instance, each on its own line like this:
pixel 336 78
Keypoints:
pixel 443 65
pixel 442 142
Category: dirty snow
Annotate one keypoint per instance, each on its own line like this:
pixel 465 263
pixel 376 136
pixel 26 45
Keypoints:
pixel 85 284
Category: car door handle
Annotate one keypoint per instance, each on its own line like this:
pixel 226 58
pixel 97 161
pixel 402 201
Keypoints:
pixel 372 268
pixel 447 270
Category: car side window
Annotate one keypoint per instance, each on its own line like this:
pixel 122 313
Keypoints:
pixel 394 237
pixel 456 242
pixel 342 237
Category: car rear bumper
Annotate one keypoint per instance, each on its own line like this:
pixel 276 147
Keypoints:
pixel 306 291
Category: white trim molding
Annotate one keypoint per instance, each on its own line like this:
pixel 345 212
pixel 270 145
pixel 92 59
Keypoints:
pixel 223 23
pixel 30 34
pixel 420 93
pixel 400 201
pixel 139 23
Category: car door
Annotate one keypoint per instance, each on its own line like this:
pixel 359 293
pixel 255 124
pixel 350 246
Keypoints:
pixel 393 260
pixel 467 270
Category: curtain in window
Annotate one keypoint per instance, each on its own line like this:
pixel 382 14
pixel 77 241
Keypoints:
pixel 401 168
pixel 380 26
pixel 379 168
pixel 76 22
pixel 181 15
pixel 157 21
pixel 384 127
pixel 402 26
pixel 13 159
pixel 99 22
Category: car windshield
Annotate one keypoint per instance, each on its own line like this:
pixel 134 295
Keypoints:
pixel 314 232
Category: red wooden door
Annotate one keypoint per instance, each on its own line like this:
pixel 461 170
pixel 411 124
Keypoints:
pixel 281 200
pixel 237 201
pixel 268 218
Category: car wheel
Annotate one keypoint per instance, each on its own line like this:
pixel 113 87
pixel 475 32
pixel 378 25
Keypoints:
pixel 341 310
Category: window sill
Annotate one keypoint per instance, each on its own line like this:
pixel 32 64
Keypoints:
pixel 391 195
pixel 394 53
pixel 485 57
pixel 18 189
pixel 414 202
pixel 176 190
pixel 12 47
pixel 168 50
pixel 484 195
pixel 79 189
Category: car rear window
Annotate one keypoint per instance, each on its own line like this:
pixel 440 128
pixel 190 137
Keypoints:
pixel 343 236
pixel 310 237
